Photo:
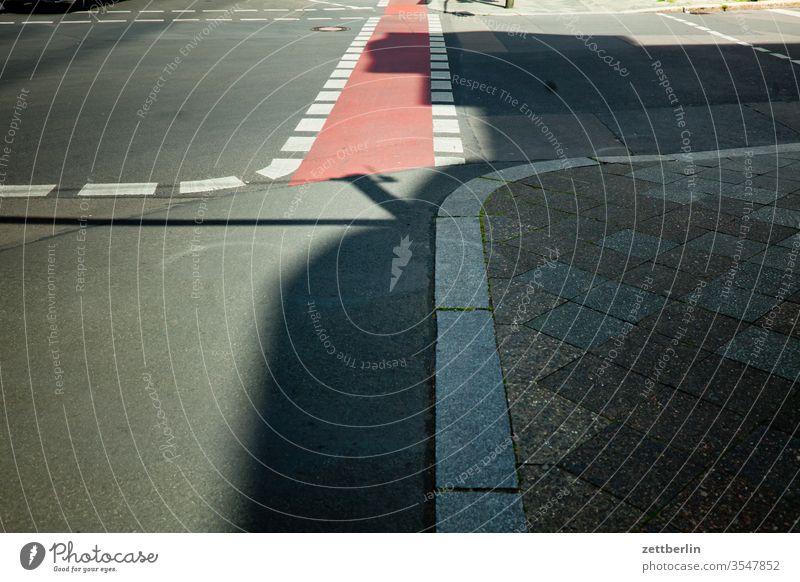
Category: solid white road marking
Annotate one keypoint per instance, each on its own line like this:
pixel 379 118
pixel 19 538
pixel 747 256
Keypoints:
pixel 129 189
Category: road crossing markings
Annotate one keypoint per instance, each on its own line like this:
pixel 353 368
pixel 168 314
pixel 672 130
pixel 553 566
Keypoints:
pixel 445 119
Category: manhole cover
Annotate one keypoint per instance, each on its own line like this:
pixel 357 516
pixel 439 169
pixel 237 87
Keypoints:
pixel 330 28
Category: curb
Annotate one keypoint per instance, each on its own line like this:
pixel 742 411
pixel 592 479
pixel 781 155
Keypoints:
pixel 476 485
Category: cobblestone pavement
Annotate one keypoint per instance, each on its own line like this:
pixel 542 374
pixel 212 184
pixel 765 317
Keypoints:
pixel 646 323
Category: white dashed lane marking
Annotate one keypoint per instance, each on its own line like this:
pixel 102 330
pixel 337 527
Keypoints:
pixel 197 186
pixel 736 40
pixel 27 191
pixel 131 189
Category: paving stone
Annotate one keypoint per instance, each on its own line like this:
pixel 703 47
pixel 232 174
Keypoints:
pixel 760 164
pixel 777 184
pixel 564 235
pixel 634 468
pixel 502 203
pixel 733 301
pixel 679 192
pixel 776 257
pixel 586 174
pixel 620 169
pixel 599 385
pixel 790 241
pixel 722 175
pixel 554 182
pixel 782 216
pixel 788 418
pixel 786 319
pixel 507 261
pixel 629 347
pixel 693 325
pixel 763 280
pixel 621 301
pixel 663 280
pixel 469 512
pixel 695 261
pixel 662 359
pixel 602 261
pixel 527 355
pixel 766 456
pixel 750 392
pixel 685 421
pixel 719 502
pixel 560 279
pixel 557 501
pixel 791 201
pixel 684 223
pixel 471 414
pixel 763 232
pixel 637 244
pixel 630 216
pixel 516 302
pixel 662 227
pixel 578 326
pixel 765 350
pixel 664 173
pixel 726 245
pixel 546 426
pixel 552 200
pixel 501 228
pixel 751 193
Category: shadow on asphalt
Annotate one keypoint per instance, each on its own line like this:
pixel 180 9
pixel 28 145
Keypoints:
pixel 39 7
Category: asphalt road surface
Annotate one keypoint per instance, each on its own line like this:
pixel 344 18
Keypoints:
pixel 260 357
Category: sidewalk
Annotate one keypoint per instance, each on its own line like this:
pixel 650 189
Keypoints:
pixel 645 320
pixel 545 7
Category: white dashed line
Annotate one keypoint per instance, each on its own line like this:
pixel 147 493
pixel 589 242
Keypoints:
pixel 130 189
pixel 210 185
pixel 25 191
pixel 736 40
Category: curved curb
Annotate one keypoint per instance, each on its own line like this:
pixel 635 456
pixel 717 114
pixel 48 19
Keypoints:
pixel 476 483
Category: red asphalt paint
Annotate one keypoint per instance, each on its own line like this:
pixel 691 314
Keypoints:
pixel 383 120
